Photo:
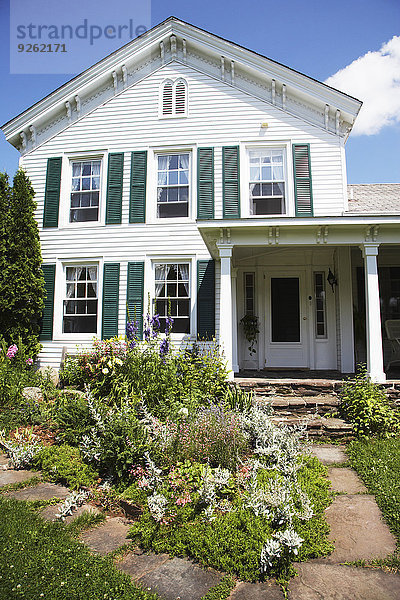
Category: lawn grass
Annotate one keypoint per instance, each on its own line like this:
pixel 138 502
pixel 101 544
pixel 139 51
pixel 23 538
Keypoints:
pixel 377 461
pixel 41 560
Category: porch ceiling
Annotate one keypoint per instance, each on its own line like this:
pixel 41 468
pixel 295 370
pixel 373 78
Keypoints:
pixel 287 231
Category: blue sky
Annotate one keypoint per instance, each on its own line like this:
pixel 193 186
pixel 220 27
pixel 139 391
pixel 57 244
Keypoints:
pixel 317 38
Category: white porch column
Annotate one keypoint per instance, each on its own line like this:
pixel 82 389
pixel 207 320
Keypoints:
pixel 235 363
pixel 373 314
pixel 225 306
pixel 345 291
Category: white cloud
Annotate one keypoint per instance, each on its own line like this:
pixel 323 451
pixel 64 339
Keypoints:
pixel 373 78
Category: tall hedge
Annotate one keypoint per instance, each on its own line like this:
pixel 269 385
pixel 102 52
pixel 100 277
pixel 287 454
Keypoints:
pixel 21 278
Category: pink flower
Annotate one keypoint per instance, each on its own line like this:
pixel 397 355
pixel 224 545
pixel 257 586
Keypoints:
pixel 29 361
pixel 12 351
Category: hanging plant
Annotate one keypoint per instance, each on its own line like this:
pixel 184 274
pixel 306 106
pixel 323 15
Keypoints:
pixel 251 331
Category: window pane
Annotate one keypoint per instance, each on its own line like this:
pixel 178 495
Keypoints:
pixel 266 173
pixel 173 178
pixel 179 209
pixel 173 161
pixel 76 169
pixel 173 194
pixel 87 168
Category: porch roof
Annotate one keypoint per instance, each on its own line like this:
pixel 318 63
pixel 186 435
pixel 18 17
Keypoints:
pixel 346 230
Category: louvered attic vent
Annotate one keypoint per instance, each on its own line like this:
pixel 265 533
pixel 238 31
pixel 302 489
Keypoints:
pixel 174 98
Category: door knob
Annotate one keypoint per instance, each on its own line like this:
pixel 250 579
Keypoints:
pixel 304 318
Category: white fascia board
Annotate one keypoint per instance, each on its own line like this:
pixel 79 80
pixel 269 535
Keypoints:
pixel 310 87
pixel 299 222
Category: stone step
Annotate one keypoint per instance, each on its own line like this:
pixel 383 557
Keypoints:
pixel 301 404
pixel 316 426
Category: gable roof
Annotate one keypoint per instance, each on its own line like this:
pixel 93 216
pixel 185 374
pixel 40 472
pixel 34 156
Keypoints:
pixel 374 198
pixel 174 39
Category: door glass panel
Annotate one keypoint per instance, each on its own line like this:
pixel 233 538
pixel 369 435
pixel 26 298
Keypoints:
pixel 285 309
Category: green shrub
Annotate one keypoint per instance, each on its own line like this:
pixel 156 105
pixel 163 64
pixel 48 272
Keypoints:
pixel 64 464
pixel 40 559
pixel 15 373
pixel 21 277
pixel 213 435
pixel 72 417
pixel 364 404
pixel 165 381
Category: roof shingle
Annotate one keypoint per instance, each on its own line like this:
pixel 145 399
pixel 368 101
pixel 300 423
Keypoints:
pixel 374 198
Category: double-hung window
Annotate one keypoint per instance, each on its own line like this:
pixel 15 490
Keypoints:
pixel 85 191
pixel 173 185
pixel 267 181
pixel 80 306
pixel 172 295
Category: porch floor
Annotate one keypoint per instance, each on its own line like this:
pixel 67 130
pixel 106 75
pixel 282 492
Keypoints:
pixel 291 376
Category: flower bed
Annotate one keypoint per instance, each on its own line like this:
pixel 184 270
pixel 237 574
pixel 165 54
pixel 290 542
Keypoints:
pixel 212 477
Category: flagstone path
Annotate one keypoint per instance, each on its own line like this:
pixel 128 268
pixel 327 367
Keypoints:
pixel 357 530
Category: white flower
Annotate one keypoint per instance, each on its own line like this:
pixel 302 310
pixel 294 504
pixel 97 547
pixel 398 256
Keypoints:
pixel 270 551
pixel 157 504
pixel 105 371
pixel 183 411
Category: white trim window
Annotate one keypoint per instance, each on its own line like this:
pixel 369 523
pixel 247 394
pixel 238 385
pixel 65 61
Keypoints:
pixel 85 190
pixel 80 302
pixel 267 180
pixel 173 98
pixel 172 295
pixel 173 176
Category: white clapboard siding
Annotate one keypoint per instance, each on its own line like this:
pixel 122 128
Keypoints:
pixel 218 115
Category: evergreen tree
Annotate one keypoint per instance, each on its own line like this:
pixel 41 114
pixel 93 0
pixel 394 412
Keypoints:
pixel 21 283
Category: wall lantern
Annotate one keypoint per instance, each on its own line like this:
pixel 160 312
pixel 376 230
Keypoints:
pixel 332 280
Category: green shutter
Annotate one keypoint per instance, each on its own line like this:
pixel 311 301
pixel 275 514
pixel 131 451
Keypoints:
pixel 134 294
pixel 114 188
pixel 205 299
pixel 110 300
pixel 205 183
pixel 52 192
pixel 302 180
pixel 137 201
pixel 46 329
pixel 231 182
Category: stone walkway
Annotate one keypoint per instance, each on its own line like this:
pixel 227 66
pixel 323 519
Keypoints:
pixel 357 530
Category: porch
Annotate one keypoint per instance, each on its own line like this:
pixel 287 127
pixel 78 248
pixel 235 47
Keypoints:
pixel 319 295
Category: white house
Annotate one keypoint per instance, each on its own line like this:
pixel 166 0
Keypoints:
pixel 186 169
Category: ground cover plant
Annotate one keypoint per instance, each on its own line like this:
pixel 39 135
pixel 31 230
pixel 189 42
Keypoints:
pixel 208 474
pixel 41 560
pixel 377 461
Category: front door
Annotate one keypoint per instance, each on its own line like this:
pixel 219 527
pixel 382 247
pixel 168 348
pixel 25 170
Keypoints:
pixel 286 326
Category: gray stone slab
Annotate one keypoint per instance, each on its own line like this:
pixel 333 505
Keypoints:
pixel 107 537
pixel 357 530
pixel 346 480
pixel 137 564
pixel 48 513
pixel 179 578
pixel 335 582
pixel 10 476
pixel 42 491
pixel 329 454
pixel 269 590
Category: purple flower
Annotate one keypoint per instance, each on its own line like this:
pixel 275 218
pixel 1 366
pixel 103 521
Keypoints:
pixel 131 331
pixel 12 351
pixel 169 321
pixel 164 347
pixel 155 323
